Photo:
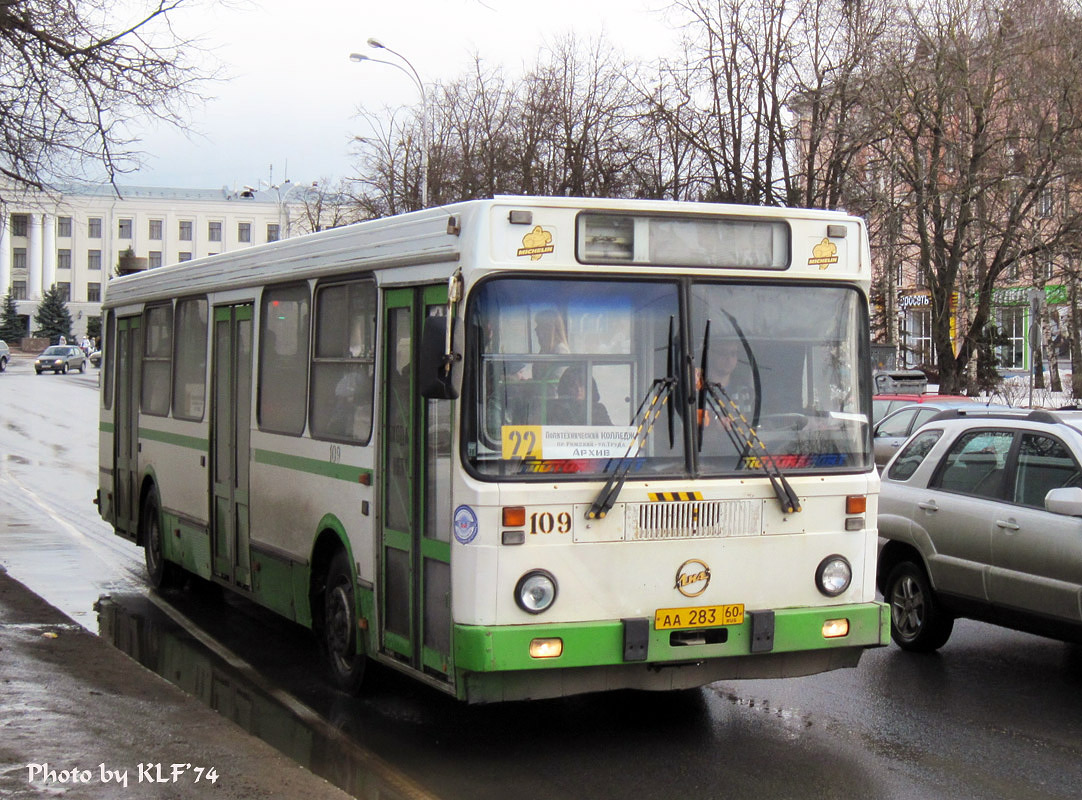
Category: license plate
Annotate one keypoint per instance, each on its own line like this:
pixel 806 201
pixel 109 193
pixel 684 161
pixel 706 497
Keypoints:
pixel 698 617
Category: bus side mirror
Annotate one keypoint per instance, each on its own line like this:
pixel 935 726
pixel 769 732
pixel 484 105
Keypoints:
pixel 436 370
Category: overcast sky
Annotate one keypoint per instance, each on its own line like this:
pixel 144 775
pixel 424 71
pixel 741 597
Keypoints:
pixel 291 105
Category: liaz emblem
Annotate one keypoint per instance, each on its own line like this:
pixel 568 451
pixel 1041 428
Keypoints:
pixel 692 578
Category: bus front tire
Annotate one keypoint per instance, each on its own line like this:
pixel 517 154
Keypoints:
pixel 162 574
pixel 340 627
pixel 919 623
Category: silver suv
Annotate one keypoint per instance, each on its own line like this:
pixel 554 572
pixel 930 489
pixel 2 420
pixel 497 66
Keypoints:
pixel 980 516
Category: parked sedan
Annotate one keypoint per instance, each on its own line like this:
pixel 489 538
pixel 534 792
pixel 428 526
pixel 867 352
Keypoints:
pixel 60 358
pixel 980 516
pixel 891 431
pixel 5 355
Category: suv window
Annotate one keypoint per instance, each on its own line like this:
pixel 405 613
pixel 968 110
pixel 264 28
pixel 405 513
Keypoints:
pixel 1044 464
pixel 975 464
pixel 897 425
pixel 914 453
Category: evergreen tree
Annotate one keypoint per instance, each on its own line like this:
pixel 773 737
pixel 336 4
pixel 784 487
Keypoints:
pixel 54 319
pixel 11 329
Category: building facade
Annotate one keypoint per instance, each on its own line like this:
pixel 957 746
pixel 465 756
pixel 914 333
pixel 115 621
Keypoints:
pixel 82 237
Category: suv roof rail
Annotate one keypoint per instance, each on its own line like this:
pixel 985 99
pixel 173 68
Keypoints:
pixel 982 412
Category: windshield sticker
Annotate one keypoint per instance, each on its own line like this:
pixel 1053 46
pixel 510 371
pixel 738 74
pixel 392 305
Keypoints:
pixel 800 461
pixel 556 442
pixel 465 523
pixel 536 243
pixel 824 254
pixel 593 466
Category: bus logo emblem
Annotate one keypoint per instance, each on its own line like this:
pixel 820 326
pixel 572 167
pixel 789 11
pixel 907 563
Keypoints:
pixel 692 578
pixel 465 522
pixel 536 243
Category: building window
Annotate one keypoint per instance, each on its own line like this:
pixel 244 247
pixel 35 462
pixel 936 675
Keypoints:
pixel 63 259
pixel 64 290
pixel 154 259
pixel 184 255
pixel 214 231
pixel 1049 268
pixel 93 259
pixel 124 228
pixel 93 227
pixel 18 257
pixel 93 293
pixel 244 231
pixel 156 230
pixel 1012 329
pixel 185 230
pixel 63 227
pixel 1046 202
pixel 19 223
pixel 272 233
pixel 919 324
pixel 18 290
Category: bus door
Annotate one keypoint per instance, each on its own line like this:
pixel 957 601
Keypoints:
pixel 230 443
pixel 129 356
pixel 415 492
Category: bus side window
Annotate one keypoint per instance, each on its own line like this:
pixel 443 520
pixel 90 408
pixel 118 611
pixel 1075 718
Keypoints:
pixel 342 362
pixel 283 359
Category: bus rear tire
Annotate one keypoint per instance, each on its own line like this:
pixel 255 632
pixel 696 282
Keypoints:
pixel 162 573
pixel 339 633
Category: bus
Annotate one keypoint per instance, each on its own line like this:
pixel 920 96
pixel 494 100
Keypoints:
pixel 517 448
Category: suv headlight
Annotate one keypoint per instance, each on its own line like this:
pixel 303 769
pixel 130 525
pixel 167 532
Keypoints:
pixel 833 575
pixel 535 591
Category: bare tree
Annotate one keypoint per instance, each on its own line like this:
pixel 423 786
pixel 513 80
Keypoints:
pixel 72 72
pixel 986 103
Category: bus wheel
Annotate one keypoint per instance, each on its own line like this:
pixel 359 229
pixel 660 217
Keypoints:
pixel 918 621
pixel 340 626
pixel 162 573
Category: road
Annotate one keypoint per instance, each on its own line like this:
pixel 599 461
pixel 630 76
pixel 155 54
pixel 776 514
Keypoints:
pixel 995 714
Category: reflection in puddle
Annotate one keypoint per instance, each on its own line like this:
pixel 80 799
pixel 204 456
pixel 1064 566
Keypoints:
pixel 136 627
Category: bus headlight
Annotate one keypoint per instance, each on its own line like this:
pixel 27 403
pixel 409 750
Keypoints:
pixel 535 591
pixel 833 575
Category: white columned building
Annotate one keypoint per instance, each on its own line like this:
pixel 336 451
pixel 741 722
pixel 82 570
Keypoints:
pixel 76 235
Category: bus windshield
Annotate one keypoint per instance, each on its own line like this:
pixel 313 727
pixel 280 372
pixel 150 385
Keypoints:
pixel 573 378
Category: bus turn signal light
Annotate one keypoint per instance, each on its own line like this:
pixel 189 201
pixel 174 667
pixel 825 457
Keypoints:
pixel 856 504
pixel 514 517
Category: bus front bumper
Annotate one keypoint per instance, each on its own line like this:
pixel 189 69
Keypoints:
pixel 764 637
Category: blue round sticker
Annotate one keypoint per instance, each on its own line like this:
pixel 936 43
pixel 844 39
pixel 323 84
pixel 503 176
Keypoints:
pixel 465 524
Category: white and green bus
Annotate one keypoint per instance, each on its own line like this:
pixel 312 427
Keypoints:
pixel 516 448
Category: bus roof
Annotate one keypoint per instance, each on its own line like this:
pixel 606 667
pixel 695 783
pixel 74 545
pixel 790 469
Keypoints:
pixel 442 235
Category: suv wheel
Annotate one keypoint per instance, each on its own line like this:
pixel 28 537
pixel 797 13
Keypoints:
pixel 918 621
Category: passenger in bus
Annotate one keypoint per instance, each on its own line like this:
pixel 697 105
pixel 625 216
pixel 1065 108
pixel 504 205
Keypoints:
pixel 551 335
pixel 570 406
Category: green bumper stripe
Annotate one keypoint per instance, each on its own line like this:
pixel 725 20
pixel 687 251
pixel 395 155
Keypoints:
pixel 585 644
pixel 106 427
pixel 342 472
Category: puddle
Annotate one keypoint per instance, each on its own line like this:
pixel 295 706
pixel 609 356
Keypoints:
pixel 134 625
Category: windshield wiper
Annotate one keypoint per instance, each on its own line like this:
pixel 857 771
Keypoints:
pixel 656 399
pixel 741 432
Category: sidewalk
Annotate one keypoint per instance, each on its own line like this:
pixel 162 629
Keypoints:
pixel 78 718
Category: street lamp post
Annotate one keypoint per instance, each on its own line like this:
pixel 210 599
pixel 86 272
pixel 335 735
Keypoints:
pixel 416 78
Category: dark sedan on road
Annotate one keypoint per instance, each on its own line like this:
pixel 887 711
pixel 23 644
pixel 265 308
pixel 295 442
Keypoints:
pixel 60 358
